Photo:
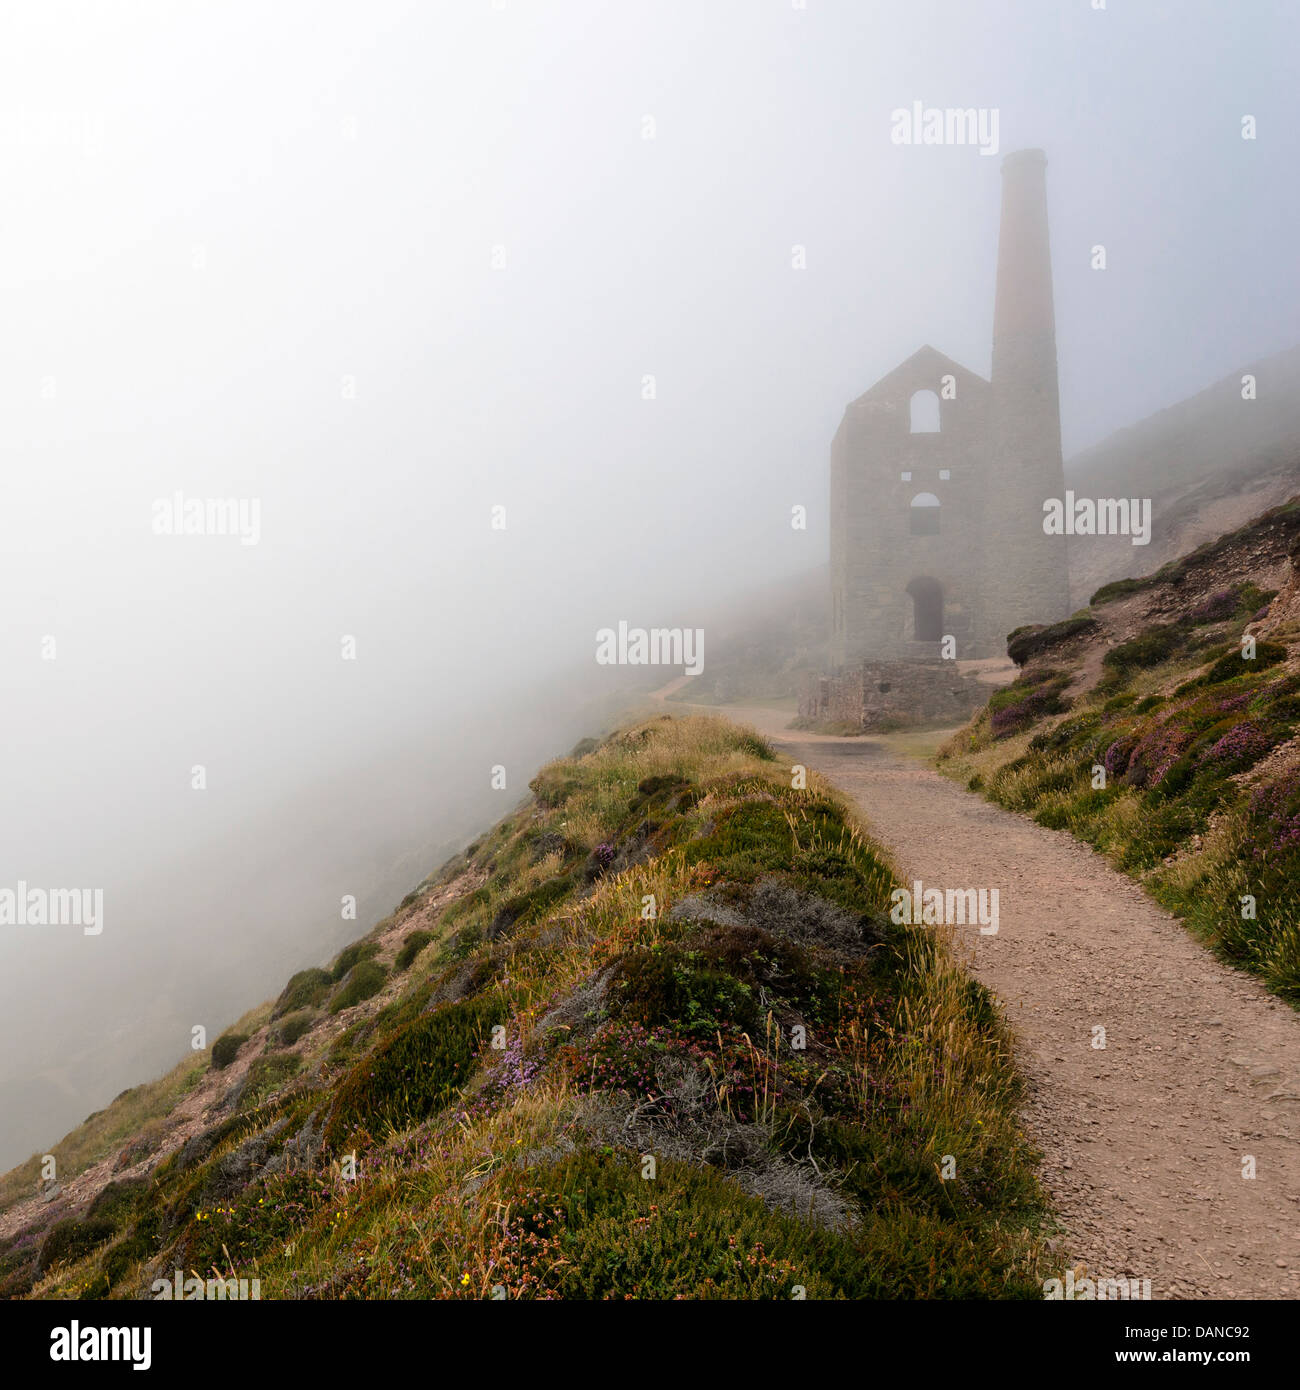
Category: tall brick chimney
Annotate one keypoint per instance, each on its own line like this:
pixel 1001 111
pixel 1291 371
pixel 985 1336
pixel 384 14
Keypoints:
pixel 1027 576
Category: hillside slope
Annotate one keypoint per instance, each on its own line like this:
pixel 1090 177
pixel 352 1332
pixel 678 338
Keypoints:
pixel 653 1036
pixel 1160 725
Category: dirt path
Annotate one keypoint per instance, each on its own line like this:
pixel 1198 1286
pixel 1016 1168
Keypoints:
pixel 1144 1141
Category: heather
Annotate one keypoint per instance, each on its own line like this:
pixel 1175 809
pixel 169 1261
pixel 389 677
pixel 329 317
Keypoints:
pixel 1165 766
pixel 652 1036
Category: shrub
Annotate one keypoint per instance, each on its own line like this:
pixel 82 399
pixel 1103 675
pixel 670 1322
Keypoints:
pixel 305 990
pixel 225 1049
pixel 266 1075
pixel 1235 664
pixel 414 1072
pixel 1214 608
pixel 1118 588
pixel 361 982
pixel 70 1239
pixel 552 787
pixel 1148 648
pixel 1026 700
pixel 117 1201
pixel 1031 641
pixel 350 956
pixel 669 985
pixel 530 906
pixel 589 1227
pixel 292 1028
pixel 414 943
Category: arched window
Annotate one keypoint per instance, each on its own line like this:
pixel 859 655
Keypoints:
pixel 925 412
pixel 925 514
pixel 927 609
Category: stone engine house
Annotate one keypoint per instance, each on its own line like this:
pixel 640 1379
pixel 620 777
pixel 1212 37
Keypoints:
pixel 938 477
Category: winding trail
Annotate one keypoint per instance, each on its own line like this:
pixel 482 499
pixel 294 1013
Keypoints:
pixel 1143 1141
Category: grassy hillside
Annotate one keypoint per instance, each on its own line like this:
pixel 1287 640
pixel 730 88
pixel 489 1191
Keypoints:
pixel 1147 727
pixel 653 1036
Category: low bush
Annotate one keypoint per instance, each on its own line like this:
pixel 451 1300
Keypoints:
pixel 416 1071
pixel 290 1029
pixel 350 956
pixel 412 945
pixel 69 1240
pixel 361 982
pixel 305 990
pixel 226 1048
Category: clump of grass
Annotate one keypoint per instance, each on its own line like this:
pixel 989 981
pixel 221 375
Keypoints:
pixel 305 990
pixel 226 1048
pixel 350 956
pixel 650 1007
pixel 1160 782
pixel 1033 640
pixel 414 1072
pixel 362 981
pixel 294 1026
pixel 412 945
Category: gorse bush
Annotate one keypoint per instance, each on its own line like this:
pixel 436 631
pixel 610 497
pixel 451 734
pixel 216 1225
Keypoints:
pixel 70 1240
pixel 1026 643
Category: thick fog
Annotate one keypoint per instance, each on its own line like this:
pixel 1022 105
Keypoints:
pixel 374 270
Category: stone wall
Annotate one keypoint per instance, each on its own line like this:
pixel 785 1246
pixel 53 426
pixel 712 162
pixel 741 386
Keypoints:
pixel 889 694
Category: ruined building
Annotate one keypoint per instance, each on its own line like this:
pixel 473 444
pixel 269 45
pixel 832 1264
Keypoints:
pixel 938 477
